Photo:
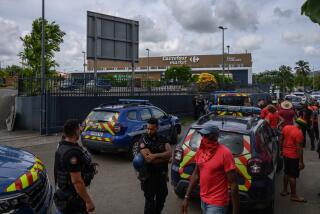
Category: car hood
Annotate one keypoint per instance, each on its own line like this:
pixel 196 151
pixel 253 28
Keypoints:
pixel 13 164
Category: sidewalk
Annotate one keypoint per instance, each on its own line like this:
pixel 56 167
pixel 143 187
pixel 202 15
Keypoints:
pixel 308 186
pixel 21 139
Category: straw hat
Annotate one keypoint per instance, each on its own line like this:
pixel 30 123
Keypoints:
pixel 286 105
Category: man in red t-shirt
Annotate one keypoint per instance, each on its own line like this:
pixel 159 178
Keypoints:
pixel 287 113
pixel 273 117
pixel 215 169
pixel 292 143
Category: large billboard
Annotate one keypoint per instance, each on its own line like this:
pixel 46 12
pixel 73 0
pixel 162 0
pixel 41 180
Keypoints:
pixel 112 38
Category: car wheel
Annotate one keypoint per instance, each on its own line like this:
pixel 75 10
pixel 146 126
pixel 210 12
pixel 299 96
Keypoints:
pixel 134 148
pixel 174 136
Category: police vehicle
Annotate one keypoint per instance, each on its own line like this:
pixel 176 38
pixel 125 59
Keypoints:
pixel 233 98
pixel 24 184
pixel 118 128
pixel 253 145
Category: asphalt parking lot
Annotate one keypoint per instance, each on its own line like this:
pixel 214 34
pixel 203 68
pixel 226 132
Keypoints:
pixel 116 189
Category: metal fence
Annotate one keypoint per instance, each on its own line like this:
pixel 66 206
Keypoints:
pixel 102 87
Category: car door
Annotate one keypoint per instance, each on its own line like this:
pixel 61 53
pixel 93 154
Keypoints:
pixel 164 121
pixel 145 115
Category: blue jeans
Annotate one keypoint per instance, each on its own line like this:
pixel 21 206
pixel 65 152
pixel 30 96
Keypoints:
pixel 212 209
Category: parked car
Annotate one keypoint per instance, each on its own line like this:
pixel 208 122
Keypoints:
pixel 118 127
pixel 99 83
pixel 69 84
pixel 24 183
pixel 253 145
pixel 295 100
pixel 234 98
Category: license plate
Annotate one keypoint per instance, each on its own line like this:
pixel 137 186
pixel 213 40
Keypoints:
pixel 97 134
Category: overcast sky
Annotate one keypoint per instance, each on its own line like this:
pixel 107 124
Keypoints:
pixel 272 30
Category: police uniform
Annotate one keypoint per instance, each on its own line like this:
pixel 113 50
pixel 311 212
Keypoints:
pixel 71 157
pixel 155 183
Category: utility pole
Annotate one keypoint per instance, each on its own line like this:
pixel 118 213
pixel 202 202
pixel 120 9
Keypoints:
pixel 43 77
pixel 223 29
pixel 84 65
pixel 148 50
pixel 228 46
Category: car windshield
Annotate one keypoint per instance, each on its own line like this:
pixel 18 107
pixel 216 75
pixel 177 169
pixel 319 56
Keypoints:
pixel 234 141
pixel 101 116
pixel 232 100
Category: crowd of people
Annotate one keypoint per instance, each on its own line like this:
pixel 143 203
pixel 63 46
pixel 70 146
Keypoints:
pixel 201 106
pixel 293 125
pixel 74 169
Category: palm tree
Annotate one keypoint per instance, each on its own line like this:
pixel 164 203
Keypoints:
pixel 302 70
pixel 285 78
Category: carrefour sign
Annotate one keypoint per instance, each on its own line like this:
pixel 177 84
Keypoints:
pixel 181 60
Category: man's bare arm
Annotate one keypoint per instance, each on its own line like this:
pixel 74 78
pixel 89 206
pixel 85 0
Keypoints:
pixel 80 187
pixel 232 180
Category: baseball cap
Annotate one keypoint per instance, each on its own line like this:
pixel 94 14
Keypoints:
pixel 209 129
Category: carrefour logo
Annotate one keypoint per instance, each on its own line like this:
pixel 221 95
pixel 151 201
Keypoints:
pixel 194 59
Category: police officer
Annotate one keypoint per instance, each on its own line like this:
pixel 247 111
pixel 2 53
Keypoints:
pixel 73 171
pixel 156 151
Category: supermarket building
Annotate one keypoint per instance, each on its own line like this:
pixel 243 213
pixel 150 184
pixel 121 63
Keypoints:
pixel 238 66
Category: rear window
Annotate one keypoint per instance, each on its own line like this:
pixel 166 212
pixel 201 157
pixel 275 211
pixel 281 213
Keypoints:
pixel 233 100
pixel 101 116
pixel 234 141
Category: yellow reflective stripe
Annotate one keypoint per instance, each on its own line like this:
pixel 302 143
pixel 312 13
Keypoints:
pixel 243 169
pixel 185 176
pixel 107 139
pixel 99 138
pixel 11 188
pixel 243 188
pixel 34 174
pixel 108 129
pixel 86 128
pixel 93 137
pixel 187 158
pixel 24 181
pixel 87 137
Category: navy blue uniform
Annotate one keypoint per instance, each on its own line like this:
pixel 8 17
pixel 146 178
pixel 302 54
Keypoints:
pixel 155 184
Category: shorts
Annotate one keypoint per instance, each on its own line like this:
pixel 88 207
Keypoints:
pixel 291 167
pixel 213 209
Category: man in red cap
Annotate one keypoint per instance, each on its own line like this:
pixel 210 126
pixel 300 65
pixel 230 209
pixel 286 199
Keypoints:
pixel 213 162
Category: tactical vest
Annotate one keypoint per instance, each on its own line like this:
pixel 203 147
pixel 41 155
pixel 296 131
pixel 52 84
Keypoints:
pixel 62 176
pixel 156 145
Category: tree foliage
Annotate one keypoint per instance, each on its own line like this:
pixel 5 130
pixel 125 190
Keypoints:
pixel 180 74
pixel 302 71
pixel 207 82
pixel 311 8
pixel 31 54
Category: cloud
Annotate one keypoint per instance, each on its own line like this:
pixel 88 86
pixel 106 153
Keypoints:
pixel 311 51
pixel 240 16
pixel 9 40
pixel 282 13
pixel 193 15
pixel 70 55
pixel 300 38
pixel 249 42
pixel 150 31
